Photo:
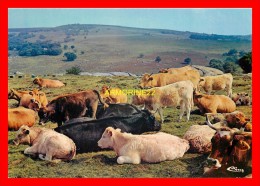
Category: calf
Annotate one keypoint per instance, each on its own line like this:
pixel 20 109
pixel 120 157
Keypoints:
pixel 150 148
pixel 86 133
pixel 48 83
pixel 175 94
pixel 219 82
pixel 69 106
pixel 46 143
pixel 113 95
pixel 213 103
pixel 20 116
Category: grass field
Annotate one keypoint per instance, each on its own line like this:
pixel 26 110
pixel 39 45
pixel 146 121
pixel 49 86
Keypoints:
pixel 88 165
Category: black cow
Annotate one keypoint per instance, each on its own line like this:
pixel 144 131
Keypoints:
pixel 121 109
pixel 87 133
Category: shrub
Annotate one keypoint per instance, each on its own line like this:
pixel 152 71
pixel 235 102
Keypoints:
pixel 74 70
pixel 70 56
pixel 158 59
pixel 245 62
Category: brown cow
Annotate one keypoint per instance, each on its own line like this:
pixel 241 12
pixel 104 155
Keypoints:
pixel 20 116
pixel 213 103
pixel 46 143
pixel 48 83
pixel 162 79
pixel 200 136
pixel 69 106
pixel 231 149
pixel 113 95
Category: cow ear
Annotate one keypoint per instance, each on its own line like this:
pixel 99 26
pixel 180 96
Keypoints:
pixel 110 133
pixel 246 94
pixel 201 80
pixel 41 94
pixel 26 131
pixel 247 119
pixel 31 93
pixel 150 78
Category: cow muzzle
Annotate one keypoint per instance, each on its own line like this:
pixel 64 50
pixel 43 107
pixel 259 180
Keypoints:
pixel 217 164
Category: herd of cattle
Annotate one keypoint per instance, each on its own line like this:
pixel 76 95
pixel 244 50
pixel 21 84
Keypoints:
pixel 91 120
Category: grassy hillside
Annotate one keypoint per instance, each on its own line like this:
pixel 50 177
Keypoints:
pixel 112 48
pixel 87 165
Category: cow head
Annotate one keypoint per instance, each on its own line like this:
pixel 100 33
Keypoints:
pixel 146 81
pixel 45 114
pixel 36 96
pixel 241 98
pixel 236 119
pixel 106 141
pixel 201 82
pixel 22 135
pixel 12 95
pixel 229 146
pixel 151 123
pixel 36 81
pixel 164 70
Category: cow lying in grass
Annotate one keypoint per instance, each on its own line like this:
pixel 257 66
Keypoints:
pixel 149 148
pixel 45 143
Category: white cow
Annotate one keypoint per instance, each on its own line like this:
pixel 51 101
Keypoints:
pixel 219 82
pixel 149 148
pixel 46 143
pixel 175 94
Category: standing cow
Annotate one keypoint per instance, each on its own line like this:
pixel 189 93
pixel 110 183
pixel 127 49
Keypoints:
pixel 69 106
pixel 149 148
pixel 46 143
pixel 162 79
pixel 219 82
pixel 175 94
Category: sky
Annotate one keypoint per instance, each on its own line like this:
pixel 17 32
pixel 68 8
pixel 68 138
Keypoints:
pixel 203 20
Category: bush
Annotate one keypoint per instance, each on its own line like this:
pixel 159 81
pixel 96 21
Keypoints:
pixel 187 61
pixel 245 62
pixel 157 59
pixel 74 70
pixel 70 56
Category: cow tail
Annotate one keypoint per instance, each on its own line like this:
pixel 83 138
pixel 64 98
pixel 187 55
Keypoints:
pixel 100 99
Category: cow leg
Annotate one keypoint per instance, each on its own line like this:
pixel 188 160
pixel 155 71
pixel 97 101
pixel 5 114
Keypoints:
pixel 94 109
pixel 182 106
pixel 30 151
pixel 160 111
pixel 134 159
pixel 188 109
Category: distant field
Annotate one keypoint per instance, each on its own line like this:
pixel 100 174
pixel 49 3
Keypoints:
pixel 108 48
pixel 88 165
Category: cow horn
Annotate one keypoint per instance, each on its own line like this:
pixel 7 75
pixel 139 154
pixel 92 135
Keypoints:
pixel 209 124
pixel 151 74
